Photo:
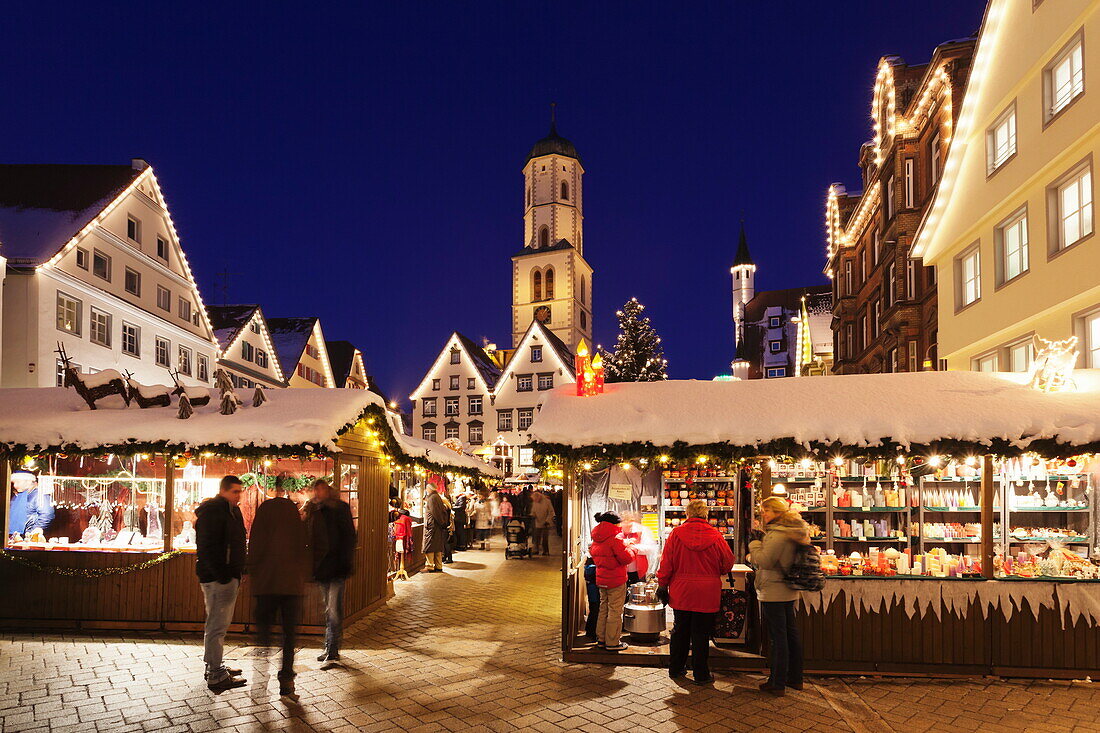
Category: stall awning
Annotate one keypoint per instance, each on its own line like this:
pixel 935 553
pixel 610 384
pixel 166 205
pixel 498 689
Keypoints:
pixel 436 453
pixel 871 413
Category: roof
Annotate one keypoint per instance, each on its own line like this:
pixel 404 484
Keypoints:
pixel 743 257
pixel 789 298
pixel 560 244
pixel 426 449
pixel 489 371
pixel 43 206
pixel 553 144
pixel 560 346
pixel 289 337
pixel 341 355
pixel 946 412
pixel 228 320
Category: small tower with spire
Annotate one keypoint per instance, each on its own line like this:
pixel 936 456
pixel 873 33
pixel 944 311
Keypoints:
pixel 744 288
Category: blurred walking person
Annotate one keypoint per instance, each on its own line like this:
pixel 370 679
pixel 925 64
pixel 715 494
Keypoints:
pixel 332 541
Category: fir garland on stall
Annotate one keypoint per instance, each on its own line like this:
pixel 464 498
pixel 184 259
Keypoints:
pixel 89 573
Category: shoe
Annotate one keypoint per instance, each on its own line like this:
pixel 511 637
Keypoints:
pixel 777 691
pixel 227 683
pixel 620 647
pixel 708 680
pixel 676 674
pixel 601 645
pixel 233 672
pixel 326 657
pixel 286 687
pixel 794 686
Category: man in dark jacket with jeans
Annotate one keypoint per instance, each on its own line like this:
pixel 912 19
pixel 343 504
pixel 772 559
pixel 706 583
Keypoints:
pixel 332 543
pixel 220 558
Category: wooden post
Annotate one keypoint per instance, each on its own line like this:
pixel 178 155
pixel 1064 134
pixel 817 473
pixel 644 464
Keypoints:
pixel 169 500
pixel 568 528
pixel 5 477
pixel 987 516
pixel 765 480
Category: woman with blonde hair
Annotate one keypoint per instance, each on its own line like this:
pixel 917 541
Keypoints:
pixel 772 552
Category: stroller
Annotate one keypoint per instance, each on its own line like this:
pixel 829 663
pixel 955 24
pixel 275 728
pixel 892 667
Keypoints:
pixel 516 536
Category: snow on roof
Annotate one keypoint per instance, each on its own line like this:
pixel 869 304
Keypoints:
pixel 228 320
pixel 434 452
pixel 54 417
pixel 865 410
pixel 289 337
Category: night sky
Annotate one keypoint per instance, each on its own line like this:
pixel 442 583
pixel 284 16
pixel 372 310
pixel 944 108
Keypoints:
pixel 364 165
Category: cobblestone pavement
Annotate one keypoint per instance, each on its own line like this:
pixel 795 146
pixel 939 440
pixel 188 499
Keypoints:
pixel 476 648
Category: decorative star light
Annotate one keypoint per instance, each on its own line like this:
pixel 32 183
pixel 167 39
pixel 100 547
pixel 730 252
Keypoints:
pixel 1053 364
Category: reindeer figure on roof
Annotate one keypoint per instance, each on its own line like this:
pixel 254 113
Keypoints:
pixel 197 396
pixel 92 387
pixel 148 396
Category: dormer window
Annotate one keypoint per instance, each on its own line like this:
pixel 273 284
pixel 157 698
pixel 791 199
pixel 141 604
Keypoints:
pixel 133 229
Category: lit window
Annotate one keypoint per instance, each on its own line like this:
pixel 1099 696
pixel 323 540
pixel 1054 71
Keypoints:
pixel 475 433
pixel 986 363
pixel 131 339
pixel 1019 356
pixel 133 229
pixel 82 258
pixel 526 417
pixel 1011 239
pixel 435 385
pixel 101 265
pixel 185 309
pixel 429 407
pixel 504 420
pixel 428 431
pixel 68 314
pixel 164 298
pixel 133 282
pixel 969 278
pixel 99 330
pixel 1092 340
pixel 471 383
pixel 184 364
pixel 162 352
pixel 456 356
pixel 910 182
pixel 1073 202
pixel 546 381
pixel 524 383
pixel 1000 140
pixel 203 373
pixel 891 198
pixel 1064 78
pixel 450 430
pixel 450 406
pixel 473 405
pixel 453 382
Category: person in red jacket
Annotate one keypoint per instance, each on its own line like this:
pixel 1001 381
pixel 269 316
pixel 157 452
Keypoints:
pixel 695 558
pixel 611 555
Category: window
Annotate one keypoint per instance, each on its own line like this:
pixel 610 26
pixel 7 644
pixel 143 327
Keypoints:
pixel 1000 140
pixel 1010 241
pixel 1072 206
pixel 526 416
pixel 536 285
pixel 848 277
pixel 1090 327
pixel 311 374
pixel 775 346
pixel 910 279
pixel 254 326
pixel 546 381
pixel 450 406
pixel 261 358
pixel 849 341
pixel 876 245
pixel 164 298
pixel 968 277
pixel 161 352
pixel 776 372
pixel 1064 78
pixel 99 327
pixel 1019 356
pixel 428 431
pixel 890 284
pixel 450 430
pixel 185 309
pixel 891 198
pixel 876 318
pixel 863 268
pixel 892 360
pixel 184 364
pixel 865 330
pixel 133 229
pixel 162 248
pixel 471 383
pixel 248 351
pixel 564 191
pixel 524 383
pixel 82 258
pixel 429 407
pixel 544 236
pixel 133 282
pixel 313 351
pixel 456 356
pixel 453 382
pixel 910 183
pixel 584 321
pixel 774 322
pixel 101 265
pixel 987 363
pixel 203 373
pixel 131 339
pixel 584 290
pixel 476 433
pixel 68 313
pixel 548 280
pixel 912 352
pixel 935 164
pixel 504 420
pixel 473 404
pixel 435 385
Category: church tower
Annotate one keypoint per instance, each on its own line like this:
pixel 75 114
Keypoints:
pixel 744 288
pixel 551 281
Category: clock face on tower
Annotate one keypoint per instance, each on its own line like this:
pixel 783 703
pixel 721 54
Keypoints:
pixel 542 314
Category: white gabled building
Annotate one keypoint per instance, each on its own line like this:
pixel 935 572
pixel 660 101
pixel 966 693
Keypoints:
pixel 94 262
pixel 455 396
pixel 303 356
pixel 247 351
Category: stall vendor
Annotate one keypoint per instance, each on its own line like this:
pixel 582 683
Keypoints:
pixel 30 508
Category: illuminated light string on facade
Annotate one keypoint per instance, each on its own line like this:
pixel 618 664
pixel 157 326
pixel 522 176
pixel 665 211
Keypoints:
pixel 267 342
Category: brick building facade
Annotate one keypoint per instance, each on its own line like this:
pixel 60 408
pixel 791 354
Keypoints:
pixel 884 313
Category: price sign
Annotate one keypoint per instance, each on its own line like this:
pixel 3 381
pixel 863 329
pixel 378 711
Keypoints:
pixel 620 492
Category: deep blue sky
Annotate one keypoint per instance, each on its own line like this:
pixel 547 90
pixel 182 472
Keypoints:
pixel 364 164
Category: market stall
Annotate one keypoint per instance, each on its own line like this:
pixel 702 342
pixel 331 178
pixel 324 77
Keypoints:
pixel 99 516
pixel 955 511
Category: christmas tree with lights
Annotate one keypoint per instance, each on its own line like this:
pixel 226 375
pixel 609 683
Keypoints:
pixel 638 355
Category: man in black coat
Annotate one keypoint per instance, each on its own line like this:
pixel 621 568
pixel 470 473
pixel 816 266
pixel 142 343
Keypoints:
pixel 219 563
pixel 332 540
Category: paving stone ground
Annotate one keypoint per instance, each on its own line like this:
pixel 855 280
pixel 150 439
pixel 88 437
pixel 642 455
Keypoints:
pixel 476 648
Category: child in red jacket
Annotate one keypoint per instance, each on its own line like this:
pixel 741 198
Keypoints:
pixel 611 555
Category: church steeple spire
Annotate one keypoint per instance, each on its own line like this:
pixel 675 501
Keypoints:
pixel 743 257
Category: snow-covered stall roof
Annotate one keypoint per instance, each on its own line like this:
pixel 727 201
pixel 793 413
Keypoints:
pixel 877 411
pixel 436 453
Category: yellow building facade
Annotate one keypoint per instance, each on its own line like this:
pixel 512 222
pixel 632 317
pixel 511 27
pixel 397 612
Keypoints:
pixel 1012 230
